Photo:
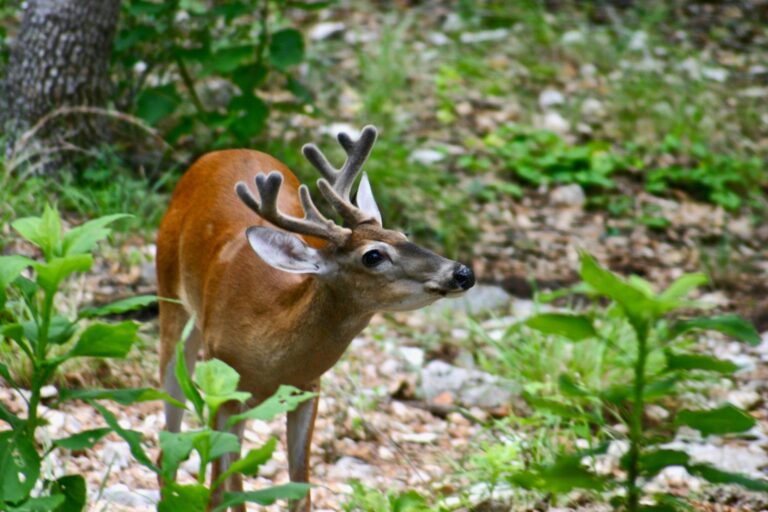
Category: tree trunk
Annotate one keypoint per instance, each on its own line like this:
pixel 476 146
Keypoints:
pixel 60 59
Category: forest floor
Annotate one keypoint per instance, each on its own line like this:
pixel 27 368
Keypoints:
pixel 377 424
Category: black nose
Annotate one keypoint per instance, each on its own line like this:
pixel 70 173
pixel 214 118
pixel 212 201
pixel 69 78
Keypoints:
pixel 464 277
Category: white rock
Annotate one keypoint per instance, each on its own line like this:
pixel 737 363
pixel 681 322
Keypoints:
pixel 118 454
pixel 348 468
pixel 48 391
pixel 592 109
pixel 336 128
pixel 553 121
pixel 715 74
pixel 192 464
pixel 550 98
pixel 416 437
pixel 484 36
pixel 572 37
pixel 588 70
pixel 120 494
pixel 413 356
pixel 472 388
pixel 744 398
pixel 326 29
pixel 639 41
pixel 426 156
pixel 568 195
pixel 438 38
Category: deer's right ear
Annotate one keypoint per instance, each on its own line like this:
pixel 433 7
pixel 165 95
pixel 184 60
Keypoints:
pixel 285 252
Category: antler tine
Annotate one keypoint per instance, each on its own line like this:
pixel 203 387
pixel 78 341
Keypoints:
pixel 313 224
pixel 357 154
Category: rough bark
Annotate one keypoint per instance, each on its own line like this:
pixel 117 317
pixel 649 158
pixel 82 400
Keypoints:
pixel 61 58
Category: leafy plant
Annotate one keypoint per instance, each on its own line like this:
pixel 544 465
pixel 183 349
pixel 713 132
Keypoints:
pixel 29 319
pixel 659 367
pixel 206 61
pixel 370 500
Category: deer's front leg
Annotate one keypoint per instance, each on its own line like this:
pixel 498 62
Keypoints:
pixel 301 423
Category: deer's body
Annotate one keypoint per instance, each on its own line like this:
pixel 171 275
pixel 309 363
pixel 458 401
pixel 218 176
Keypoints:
pixel 285 314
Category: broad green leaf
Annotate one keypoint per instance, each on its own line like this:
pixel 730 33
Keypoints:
pixel 176 447
pixel 83 238
pixel 40 504
pixel 182 375
pixel 19 466
pixel 570 387
pixel 125 396
pixel 10 268
pixel 6 374
pixel 248 116
pixel 120 306
pixel 212 444
pixel 723 420
pixel 193 6
pixel 187 498
pixel 132 437
pixel 730 325
pixel 52 273
pixel 43 231
pixel 60 330
pixel 249 464
pixel 717 476
pixel 564 475
pixel 700 362
pixel 106 340
pixel 285 399
pixel 573 327
pixel 82 440
pixel 636 304
pixel 156 103
pixel 652 462
pixel 683 286
pixel 7 416
pixel 286 48
pixel 291 491
pixel 226 60
pixel 73 489
pixel 248 77
pixel 218 382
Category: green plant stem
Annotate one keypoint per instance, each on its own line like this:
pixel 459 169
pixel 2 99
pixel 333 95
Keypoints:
pixel 190 85
pixel 39 376
pixel 636 421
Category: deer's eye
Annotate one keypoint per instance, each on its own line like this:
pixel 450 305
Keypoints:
pixel 372 258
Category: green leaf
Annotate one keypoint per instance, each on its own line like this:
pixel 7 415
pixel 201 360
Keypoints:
pixel 52 273
pixel 573 327
pixel 118 307
pixel 717 476
pixel 292 491
pixel 43 231
pixel 19 466
pixel 248 77
pixel 132 437
pixel 723 420
pixel 82 239
pixel 218 381
pixel 106 340
pixel 250 464
pixel 570 387
pixel 212 444
pixel 10 268
pixel 652 462
pixel 699 362
pixel 182 375
pixel 125 396
pixel 156 103
pixel 564 475
pixel 250 114
pixel 82 440
pixel 683 285
pixel 73 488
pixel 286 48
pixel 285 399
pixel 191 498
pixel 40 504
pixel 226 60
pixel 176 447
pixel 730 325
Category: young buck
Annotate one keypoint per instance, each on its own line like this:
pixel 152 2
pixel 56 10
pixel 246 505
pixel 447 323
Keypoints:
pixel 280 295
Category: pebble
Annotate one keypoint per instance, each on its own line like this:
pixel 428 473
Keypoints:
pixel 550 98
pixel 348 468
pixel 120 494
pixel 326 29
pixel 568 195
pixel 426 156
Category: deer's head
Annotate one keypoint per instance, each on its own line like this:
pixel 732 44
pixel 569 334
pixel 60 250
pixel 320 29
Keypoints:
pixel 376 267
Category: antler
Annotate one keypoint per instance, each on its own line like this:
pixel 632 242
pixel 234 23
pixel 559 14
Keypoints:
pixel 336 184
pixel 313 223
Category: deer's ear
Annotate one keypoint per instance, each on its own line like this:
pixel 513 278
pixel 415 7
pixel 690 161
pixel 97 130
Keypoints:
pixel 365 200
pixel 285 252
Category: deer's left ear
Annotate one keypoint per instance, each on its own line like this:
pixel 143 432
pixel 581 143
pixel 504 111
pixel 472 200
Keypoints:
pixel 365 200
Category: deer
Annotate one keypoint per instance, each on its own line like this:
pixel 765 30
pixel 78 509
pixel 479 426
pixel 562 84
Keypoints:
pixel 277 289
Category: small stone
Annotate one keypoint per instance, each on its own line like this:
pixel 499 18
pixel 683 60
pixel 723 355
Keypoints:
pixel 48 392
pixel 120 494
pixel 553 121
pixel 444 399
pixel 550 98
pixel 568 195
pixel 413 356
pixel 426 156
pixel 118 454
pixel 348 468
pixel 326 29
pixel 744 398
pixel 592 109
pixel 484 36
pixel 418 438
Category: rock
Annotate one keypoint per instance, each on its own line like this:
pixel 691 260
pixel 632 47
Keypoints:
pixel 553 121
pixel 592 109
pixel 568 195
pixel 416 437
pixel 638 41
pixel 426 156
pixel 413 356
pixel 478 299
pixel 336 128
pixel 326 29
pixel 471 388
pixel 715 74
pixel 48 391
pixel 117 454
pixel 484 36
pixel 572 37
pixel 438 38
pixel 739 459
pixel 348 468
pixel 120 494
pixel 744 398
pixel 550 98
